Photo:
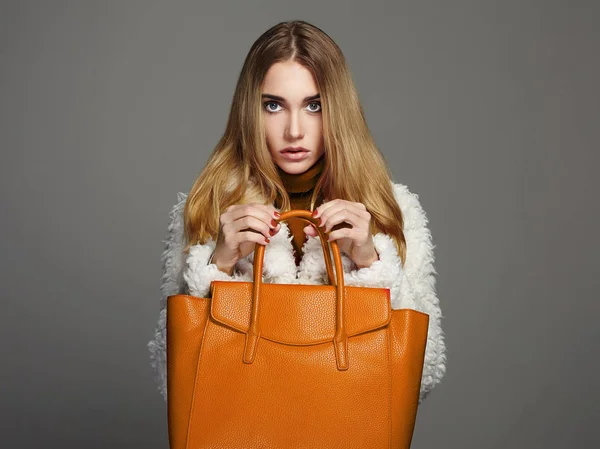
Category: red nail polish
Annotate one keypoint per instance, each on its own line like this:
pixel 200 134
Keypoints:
pixel 273 223
pixel 314 214
pixel 277 214
pixel 267 240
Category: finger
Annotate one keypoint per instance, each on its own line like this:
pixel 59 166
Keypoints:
pixel 339 203
pixel 341 216
pixel 249 236
pixel 310 230
pixel 335 206
pixel 342 233
pixel 270 209
pixel 259 211
pixel 325 206
pixel 252 224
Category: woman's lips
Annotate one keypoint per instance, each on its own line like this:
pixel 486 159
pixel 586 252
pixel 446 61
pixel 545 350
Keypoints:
pixel 294 155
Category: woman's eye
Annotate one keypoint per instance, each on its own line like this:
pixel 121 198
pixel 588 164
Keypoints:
pixel 271 106
pixel 270 103
pixel 317 104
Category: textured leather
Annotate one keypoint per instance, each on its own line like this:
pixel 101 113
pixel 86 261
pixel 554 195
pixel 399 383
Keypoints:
pixel 286 366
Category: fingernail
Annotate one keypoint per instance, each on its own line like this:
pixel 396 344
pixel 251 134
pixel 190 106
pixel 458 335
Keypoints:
pixel 272 232
pixel 273 223
pixel 314 214
pixel 277 214
pixel 267 240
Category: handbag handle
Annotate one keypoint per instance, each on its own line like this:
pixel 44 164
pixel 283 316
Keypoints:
pixel 340 340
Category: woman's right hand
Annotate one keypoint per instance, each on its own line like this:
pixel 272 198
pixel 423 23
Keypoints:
pixel 241 226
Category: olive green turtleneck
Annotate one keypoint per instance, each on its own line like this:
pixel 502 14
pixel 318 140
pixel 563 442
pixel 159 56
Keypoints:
pixel 300 188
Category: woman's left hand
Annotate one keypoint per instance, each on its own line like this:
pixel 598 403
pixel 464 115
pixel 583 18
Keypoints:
pixel 350 226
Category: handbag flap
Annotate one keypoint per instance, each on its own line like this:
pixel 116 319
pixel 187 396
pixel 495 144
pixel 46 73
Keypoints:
pixel 299 314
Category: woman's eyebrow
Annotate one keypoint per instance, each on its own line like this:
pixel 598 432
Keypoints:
pixel 276 97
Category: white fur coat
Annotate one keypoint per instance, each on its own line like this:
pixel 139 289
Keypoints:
pixel 411 286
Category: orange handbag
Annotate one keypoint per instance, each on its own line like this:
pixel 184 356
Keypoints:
pixel 287 366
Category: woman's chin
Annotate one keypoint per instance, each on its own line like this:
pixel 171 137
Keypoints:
pixel 295 167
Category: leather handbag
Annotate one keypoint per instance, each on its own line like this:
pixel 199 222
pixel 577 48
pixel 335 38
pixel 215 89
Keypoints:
pixel 287 366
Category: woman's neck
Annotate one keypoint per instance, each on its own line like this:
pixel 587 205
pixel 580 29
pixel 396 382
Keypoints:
pixel 302 182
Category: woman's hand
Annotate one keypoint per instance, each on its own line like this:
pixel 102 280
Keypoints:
pixel 241 226
pixel 350 226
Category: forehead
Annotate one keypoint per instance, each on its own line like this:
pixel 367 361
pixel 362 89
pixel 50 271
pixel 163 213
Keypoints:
pixel 290 80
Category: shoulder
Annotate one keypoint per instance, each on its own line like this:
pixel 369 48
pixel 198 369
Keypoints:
pixel 175 227
pixel 172 257
pixel 179 205
pixel 419 241
pixel 410 205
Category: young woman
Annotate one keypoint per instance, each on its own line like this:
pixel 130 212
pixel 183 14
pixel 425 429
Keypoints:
pixel 296 138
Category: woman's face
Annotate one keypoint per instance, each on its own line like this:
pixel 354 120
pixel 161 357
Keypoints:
pixel 292 116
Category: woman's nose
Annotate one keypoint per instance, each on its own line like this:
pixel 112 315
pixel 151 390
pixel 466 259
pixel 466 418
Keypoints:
pixel 295 126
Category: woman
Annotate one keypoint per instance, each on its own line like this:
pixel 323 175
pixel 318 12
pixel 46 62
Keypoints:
pixel 296 138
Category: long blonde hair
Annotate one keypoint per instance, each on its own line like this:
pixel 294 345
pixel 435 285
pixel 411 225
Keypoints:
pixel 240 169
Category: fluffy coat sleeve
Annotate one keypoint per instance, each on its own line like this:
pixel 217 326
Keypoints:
pixel 418 286
pixel 172 283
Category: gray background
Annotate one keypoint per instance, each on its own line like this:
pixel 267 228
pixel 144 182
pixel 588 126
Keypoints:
pixel 487 110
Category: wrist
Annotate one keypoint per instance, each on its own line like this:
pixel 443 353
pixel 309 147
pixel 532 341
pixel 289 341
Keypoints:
pixel 367 262
pixel 223 268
